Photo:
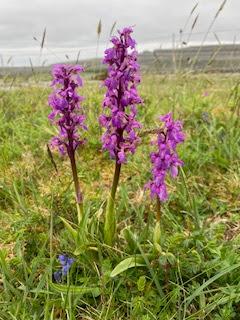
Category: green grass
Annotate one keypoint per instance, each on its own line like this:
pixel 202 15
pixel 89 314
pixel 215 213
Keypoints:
pixel 196 275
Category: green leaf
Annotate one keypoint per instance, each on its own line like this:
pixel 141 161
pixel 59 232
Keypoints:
pixel 199 290
pixel 110 223
pixel 128 237
pixel 70 229
pixel 61 288
pixel 136 261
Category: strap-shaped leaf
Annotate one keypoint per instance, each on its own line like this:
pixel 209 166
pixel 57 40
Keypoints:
pixel 131 262
pixel 70 229
pixel 61 288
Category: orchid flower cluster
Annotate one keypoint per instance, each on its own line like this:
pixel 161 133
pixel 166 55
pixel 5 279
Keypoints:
pixel 165 160
pixel 121 97
pixel 68 115
pixel 66 108
pixel 118 119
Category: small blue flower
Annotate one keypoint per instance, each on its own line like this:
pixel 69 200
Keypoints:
pixel 66 263
pixel 58 276
pixel 62 259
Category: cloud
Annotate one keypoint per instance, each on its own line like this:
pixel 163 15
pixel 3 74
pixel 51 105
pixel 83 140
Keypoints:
pixel 73 23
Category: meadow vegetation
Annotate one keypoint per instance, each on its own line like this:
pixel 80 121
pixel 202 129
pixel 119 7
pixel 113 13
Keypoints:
pixel 196 275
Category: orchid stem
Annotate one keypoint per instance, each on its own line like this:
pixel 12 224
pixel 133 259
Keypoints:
pixel 158 207
pixel 157 228
pixel 79 196
pixel 115 179
pixel 110 217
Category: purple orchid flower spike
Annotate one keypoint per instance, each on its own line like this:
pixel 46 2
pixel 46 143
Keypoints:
pixel 68 115
pixel 121 98
pixel 120 110
pixel 164 160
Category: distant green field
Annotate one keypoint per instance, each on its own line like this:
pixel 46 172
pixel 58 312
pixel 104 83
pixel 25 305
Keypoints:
pixel 197 274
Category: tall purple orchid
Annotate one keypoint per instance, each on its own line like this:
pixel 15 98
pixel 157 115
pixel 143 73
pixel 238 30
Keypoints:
pixel 119 118
pixel 164 160
pixel 68 115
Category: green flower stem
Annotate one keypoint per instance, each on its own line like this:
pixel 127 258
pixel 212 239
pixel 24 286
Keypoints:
pixel 158 216
pixel 110 215
pixel 157 228
pixel 79 196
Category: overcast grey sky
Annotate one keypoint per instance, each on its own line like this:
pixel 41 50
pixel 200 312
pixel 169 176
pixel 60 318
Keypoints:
pixel 71 24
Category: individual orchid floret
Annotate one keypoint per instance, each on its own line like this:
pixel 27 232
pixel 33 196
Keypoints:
pixel 165 160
